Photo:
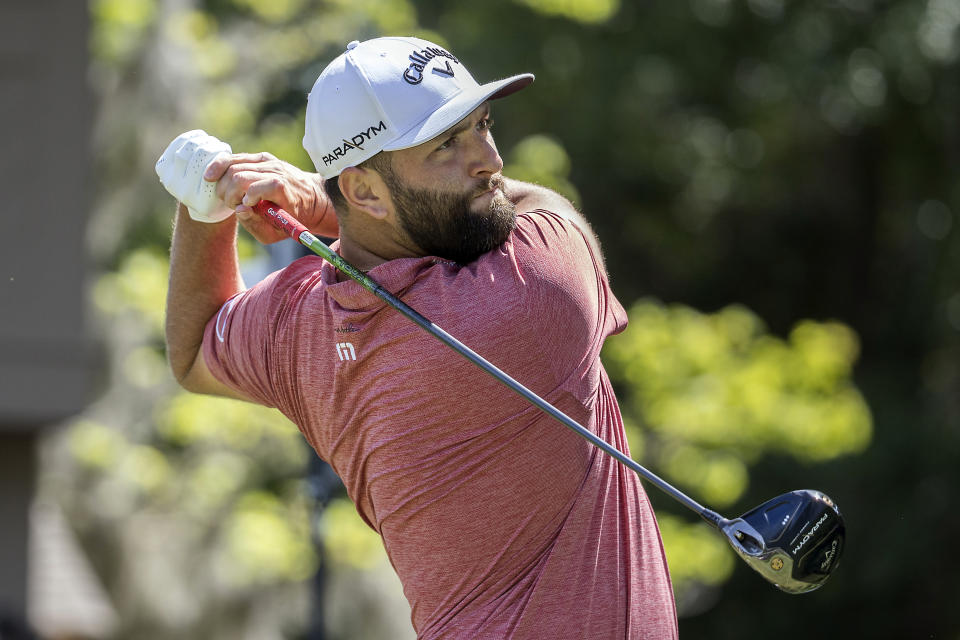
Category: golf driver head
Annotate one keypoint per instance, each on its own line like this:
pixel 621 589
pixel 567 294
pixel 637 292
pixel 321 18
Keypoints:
pixel 794 541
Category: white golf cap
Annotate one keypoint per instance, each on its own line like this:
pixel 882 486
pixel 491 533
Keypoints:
pixel 387 94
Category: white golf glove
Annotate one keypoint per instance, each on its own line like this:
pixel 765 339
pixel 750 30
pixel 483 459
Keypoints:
pixel 181 168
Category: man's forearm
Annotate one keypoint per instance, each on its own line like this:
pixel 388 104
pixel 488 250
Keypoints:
pixel 204 273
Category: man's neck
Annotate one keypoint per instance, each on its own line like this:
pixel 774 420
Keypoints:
pixel 367 255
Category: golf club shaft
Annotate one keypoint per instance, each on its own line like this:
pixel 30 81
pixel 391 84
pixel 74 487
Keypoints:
pixel 285 222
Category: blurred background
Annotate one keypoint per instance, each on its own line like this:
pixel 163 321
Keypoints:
pixel 774 186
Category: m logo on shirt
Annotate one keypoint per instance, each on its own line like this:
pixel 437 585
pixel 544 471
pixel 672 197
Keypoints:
pixel 345 351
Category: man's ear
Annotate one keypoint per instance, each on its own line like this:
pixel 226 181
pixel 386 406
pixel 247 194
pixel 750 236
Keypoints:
pixel 364 189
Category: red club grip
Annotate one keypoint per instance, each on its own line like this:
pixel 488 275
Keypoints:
pixel 279 218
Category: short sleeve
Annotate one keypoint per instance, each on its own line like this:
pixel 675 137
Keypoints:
pixel 239 345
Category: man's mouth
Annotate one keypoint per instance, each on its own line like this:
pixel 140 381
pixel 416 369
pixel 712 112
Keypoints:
pixel 493 185
pixel 488 192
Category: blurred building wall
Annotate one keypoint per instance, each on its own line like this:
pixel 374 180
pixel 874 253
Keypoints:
pixel 47 355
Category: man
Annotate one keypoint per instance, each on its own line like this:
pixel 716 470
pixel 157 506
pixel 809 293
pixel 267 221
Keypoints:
pixel 499 522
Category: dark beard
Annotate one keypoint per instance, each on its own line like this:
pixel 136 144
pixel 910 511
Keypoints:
pixel 443 225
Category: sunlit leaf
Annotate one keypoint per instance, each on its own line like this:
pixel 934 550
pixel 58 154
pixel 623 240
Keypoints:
pixel 588 11
pixel 145 467
pixel 348 539
pixel 268 540
pixel 720 392
pixel 96 445
pixel 274 11
pixel 695 553
pixel 542 160
pixel 139 285
pixel 118 27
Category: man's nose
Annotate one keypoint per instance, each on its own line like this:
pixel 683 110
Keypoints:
pixel 487 160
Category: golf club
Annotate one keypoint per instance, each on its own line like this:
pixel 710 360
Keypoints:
pixel 793 540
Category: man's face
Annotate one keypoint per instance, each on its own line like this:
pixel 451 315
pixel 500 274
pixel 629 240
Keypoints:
pixel 456 226
pixel 461 212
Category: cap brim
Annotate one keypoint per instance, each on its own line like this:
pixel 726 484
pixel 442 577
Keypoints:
pixel 457 109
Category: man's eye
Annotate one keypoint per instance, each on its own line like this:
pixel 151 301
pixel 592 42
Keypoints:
pixel 485 124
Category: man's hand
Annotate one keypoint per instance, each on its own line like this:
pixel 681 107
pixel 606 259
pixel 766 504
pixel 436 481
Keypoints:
pixel 180 170
pixel 244 179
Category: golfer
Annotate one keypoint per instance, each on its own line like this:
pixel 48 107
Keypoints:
pixel 499 522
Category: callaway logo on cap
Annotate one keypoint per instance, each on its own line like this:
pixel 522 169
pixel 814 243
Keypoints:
pixel 387 94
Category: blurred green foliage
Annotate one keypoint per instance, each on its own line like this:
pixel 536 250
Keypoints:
pixel 720 381
pixel 586 11
pixel 695 554
pixel 267 541
pixel 348 540
pixel 139 286
pixel 790 165
pixel 709 394
pixel 118 28
pixel 542 160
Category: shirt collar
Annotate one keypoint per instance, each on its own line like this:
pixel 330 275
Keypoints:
pixel 393 275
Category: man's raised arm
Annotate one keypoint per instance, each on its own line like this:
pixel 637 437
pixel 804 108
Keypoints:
pixel 212 184
pixel 204 273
